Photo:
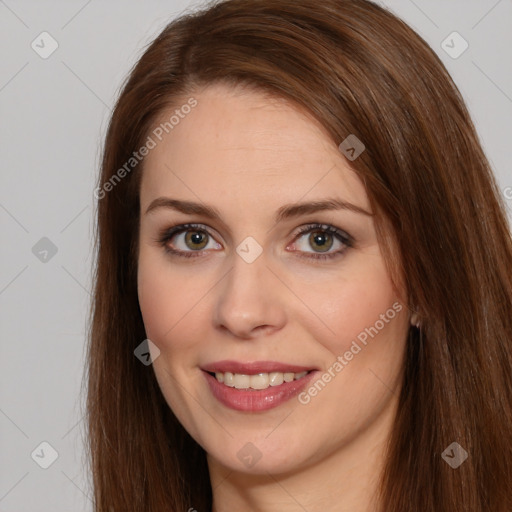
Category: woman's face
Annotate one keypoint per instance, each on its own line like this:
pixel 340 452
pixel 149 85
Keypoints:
pixel 280 274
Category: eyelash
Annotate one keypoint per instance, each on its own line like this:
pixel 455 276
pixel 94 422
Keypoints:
pixel 344 238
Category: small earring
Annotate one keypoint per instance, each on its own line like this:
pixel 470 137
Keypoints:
pixel 415 320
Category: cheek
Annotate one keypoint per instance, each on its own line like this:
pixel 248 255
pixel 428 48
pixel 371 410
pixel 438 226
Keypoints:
pixel 351 305
pixel 363 350
pixel 170 301
pixel 163 299
pixel 155 301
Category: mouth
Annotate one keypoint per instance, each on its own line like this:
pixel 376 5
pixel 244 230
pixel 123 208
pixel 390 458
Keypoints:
pixel 258 386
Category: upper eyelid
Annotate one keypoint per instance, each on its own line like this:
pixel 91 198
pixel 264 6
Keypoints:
pixel 329 228
pixel 183 228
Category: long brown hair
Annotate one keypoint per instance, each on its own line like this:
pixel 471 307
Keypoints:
pixel 359 70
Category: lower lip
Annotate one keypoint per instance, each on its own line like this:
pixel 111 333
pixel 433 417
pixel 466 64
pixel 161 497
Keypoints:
pixel 254 400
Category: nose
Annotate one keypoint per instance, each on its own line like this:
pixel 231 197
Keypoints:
pixel 249 301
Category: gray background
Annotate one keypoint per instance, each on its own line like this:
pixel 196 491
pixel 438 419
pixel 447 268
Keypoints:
pixel 53 116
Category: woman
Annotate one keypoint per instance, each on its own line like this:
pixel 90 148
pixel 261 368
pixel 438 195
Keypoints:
pixel 298 228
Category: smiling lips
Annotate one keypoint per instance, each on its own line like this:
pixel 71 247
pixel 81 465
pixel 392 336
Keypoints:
pixel 255 386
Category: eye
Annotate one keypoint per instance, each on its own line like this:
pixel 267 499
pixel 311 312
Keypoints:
pixel 192 240
pixel 322 238
pixel 188 240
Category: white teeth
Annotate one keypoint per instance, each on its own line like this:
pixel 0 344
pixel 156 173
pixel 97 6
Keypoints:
pixel 242 381
pixel 276 378
pixel 228 379
pixel 259 381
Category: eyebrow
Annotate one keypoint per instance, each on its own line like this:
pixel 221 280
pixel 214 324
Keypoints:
pixel 285 212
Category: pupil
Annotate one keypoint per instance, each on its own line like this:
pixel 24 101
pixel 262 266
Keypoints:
pixel 195 238
pixel 320 240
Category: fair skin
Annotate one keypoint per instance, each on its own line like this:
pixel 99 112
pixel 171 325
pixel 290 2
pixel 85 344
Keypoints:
pixel 247 156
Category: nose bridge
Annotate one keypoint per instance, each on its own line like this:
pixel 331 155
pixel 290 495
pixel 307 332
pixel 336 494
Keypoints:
pixel 247 299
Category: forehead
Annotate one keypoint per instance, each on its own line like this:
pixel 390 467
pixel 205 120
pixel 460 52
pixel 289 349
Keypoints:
pixel 244 149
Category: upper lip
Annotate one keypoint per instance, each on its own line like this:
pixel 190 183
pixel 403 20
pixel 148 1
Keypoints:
pixel 254 367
